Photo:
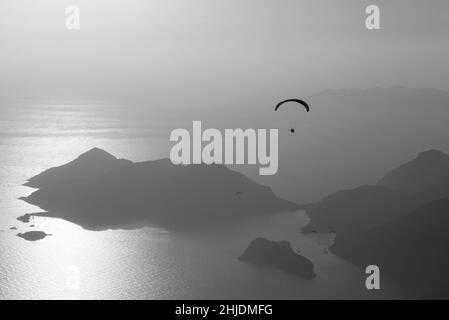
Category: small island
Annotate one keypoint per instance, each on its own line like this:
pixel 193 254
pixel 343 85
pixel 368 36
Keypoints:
pixel 279 255
pixel 33 235
pixel 25 218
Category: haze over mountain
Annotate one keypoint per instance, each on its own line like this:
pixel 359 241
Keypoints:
pixel 426 177
pixel 358 209
pixel 404 188
pixel 350 137
pixel 98 191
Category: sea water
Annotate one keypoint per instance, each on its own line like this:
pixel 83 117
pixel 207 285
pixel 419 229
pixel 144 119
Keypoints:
pixel 146 263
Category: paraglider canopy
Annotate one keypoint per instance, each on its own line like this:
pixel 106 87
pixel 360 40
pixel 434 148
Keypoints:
pixel 299 101
pixel 302 102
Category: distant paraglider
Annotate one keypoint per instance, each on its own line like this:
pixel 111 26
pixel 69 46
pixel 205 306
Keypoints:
pixel 301 102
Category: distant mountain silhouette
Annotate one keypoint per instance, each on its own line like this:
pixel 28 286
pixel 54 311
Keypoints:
pixel 97 191
pixel 411 250
pixel 426 177
pixel 279 255
pixel 359 209
pixel 94 162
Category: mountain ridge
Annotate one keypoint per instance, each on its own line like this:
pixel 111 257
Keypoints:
pixel 430 169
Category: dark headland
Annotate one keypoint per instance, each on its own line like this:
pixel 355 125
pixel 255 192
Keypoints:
pixel 279 255
pixel 98 191
pixel 357 209
pixel 411 250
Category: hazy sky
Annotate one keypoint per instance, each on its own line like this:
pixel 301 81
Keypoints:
pixel 168 51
